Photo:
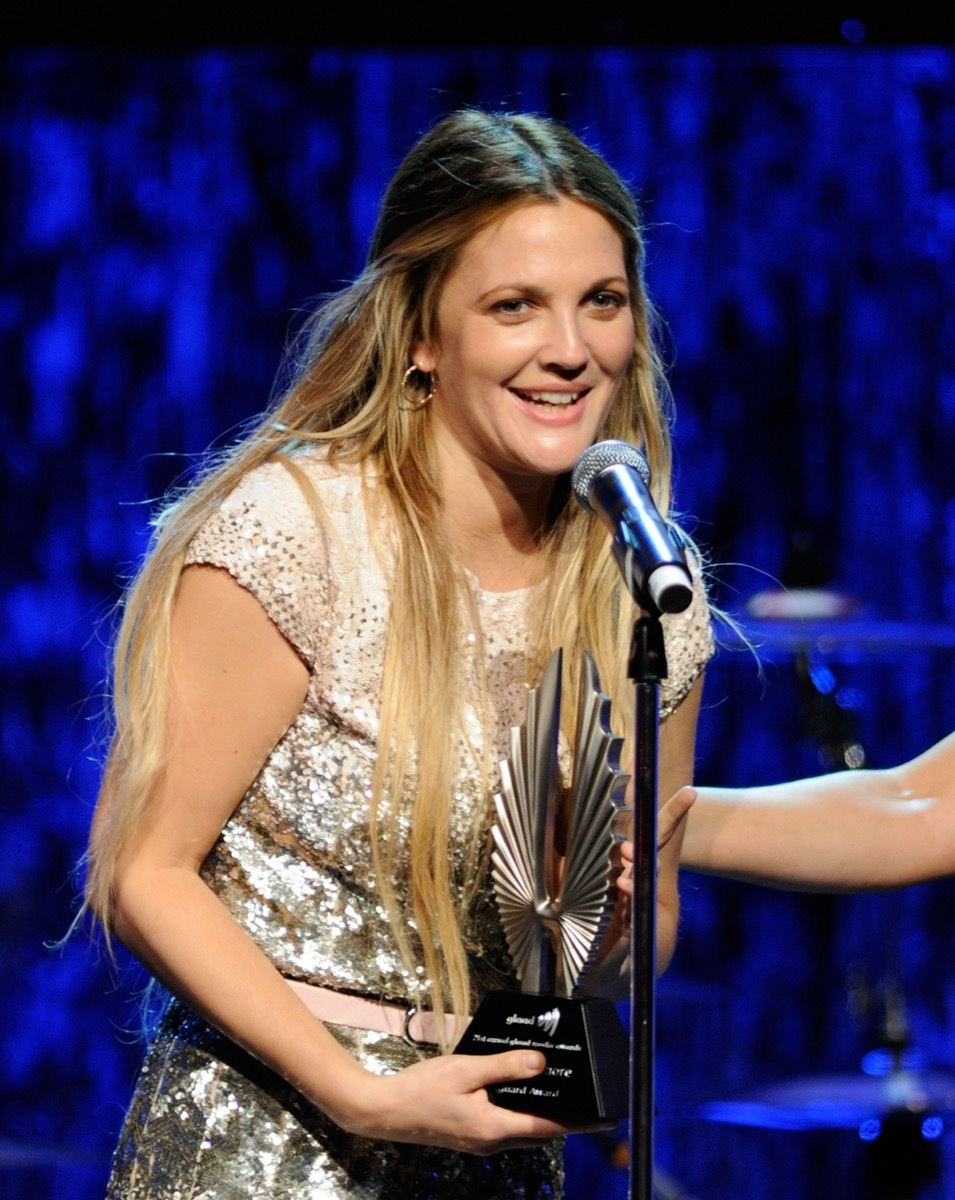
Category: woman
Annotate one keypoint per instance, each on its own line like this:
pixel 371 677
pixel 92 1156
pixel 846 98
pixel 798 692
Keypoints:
pixel 387 561
pixel 850 831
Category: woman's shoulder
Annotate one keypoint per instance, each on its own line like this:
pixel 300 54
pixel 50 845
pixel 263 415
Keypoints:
pixel 302 498
pixel 292 485
pixel 282 533
pixel 316 512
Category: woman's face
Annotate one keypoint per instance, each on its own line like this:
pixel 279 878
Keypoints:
pixel 534 336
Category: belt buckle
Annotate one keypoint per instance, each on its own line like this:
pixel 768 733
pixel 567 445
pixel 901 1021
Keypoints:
pixel 406 1034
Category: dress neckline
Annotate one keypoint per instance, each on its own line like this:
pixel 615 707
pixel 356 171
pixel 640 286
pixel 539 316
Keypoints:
pixel 530 589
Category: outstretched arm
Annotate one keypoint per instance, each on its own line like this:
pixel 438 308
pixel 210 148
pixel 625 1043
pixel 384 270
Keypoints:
pixel 851 831
pixel 236 687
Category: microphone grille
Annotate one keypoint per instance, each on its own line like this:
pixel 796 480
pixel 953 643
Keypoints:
pixel 599 457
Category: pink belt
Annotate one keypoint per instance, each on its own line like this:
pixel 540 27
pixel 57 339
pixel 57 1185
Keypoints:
pixel 416 1026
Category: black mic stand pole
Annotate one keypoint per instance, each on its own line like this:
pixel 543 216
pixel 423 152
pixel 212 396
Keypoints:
pixel 647 667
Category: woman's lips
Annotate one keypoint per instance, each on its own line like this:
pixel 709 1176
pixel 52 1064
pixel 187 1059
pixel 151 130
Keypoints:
pixel 548 397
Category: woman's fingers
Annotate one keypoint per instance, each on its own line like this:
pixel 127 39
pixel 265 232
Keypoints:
pixel 488 1069
pixel 672 814
pixel 513 1065
pixel 670 817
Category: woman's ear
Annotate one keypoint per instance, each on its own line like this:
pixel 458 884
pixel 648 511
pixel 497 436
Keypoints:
pixel 424 356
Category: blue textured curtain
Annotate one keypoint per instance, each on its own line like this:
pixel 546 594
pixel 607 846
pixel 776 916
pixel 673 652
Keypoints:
pixel 167 217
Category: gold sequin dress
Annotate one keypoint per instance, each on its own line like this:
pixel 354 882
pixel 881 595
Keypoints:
pixel 292 865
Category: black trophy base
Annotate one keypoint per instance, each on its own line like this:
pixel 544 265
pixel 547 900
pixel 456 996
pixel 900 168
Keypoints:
pixel 587 1075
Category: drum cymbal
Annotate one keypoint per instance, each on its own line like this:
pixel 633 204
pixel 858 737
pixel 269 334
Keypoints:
pixel 836 1101
pixel 802 619
pixel 857 633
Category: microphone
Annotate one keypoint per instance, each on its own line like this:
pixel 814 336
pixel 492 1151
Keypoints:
pixel 611 481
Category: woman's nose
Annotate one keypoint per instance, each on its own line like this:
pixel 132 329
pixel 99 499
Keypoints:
pixel 565 350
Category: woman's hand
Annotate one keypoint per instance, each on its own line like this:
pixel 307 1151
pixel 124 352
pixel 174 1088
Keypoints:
pixel 669 822
pixel 610 975
pixel 677 736
pixel 672 815
pixel 444 1102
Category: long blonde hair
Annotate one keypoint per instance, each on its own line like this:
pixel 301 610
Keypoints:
pixel 465 173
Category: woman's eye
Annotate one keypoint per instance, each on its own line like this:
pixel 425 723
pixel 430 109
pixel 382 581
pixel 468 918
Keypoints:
pixel 510 307
pixel 607 300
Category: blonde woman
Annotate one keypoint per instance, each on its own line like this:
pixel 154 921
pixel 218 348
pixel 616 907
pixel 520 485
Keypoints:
pixel 315 676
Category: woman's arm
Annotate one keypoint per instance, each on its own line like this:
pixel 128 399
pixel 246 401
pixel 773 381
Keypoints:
pixel 237 685
pixel 853 830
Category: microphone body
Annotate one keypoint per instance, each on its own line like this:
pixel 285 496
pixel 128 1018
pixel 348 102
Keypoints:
pixel 611 481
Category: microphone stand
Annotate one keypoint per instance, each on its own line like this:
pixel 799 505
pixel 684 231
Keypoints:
pixel 647 667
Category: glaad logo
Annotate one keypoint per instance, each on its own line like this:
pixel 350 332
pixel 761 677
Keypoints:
pixel 549 1021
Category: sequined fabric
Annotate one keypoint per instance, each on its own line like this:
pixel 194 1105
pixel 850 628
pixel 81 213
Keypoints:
pixel 293 867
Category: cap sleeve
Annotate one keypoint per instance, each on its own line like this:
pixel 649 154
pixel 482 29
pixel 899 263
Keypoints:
pixel 267 536
pixel 688 637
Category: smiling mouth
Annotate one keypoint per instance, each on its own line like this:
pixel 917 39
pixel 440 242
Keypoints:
pixel 551 399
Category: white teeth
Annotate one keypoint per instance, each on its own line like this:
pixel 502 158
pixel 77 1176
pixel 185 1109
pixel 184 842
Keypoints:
pixel 558 398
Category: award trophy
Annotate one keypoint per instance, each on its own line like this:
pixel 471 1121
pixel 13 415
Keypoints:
pixel 550 868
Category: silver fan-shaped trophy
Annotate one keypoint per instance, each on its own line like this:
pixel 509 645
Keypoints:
pixel 551 871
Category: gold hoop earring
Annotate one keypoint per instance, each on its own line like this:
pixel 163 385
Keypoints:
pixel 419 402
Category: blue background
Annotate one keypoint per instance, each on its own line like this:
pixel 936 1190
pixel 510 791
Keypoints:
pixel 168 216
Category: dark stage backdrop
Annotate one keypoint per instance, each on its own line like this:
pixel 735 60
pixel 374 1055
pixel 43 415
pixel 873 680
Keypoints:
pixel 166 217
